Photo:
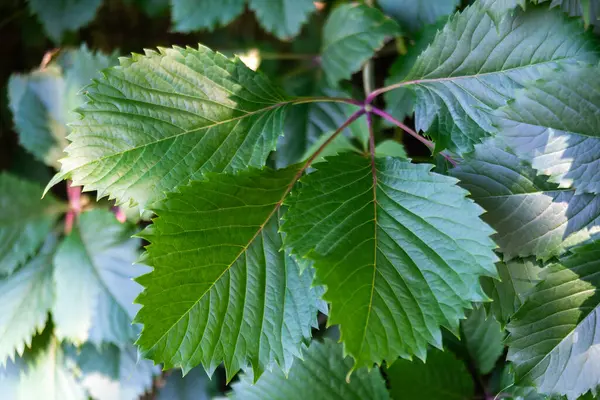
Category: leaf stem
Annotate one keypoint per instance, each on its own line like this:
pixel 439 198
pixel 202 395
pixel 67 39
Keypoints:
pixel 411 132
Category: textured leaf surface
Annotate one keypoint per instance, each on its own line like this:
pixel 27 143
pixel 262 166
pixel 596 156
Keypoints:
pixel 320 376
pixel 554 336
pixel 221 289
pixel 517 278
pixel 110 373
pixel 474 66
pixel 196 385
pixel 159 120
pixel 25 220
pixel 399 248
pixel 191 15
pixel 415 14
pixel 483 337
pixel 530 216
pixel 589 10
pixel 284 18
pixel 25 300
pixel 94 287
pixel 352 34
pixel 555 124
pixel 63 16
pixel 441 377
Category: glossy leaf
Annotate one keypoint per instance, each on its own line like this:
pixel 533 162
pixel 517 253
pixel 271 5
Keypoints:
pixel 25 220
pixel 320 376
pixel 57 18
pixel 94 287
pixel 441 377
pixel 399 249
pixel 221 289
pixel 25 300
pixel 521 205
pixel 416 14
pixel 159 120
pixel 554 123
pixel 475 66
pixel 352 34
pixel 483 337
pixel 553 336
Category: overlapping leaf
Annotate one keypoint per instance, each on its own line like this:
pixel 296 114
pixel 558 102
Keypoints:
pixel 94 287
pixel 441 377
pixel 475 65
pixel 399 248
pixel 517 278
pixel 483 337
pixel 25 300
pixel 195 385
pixel 161 119
pixel 555 124
pixel 64 16
pixel 25 220
pixel 351 36
pixel 589 10
pixel 284 18
pixel 554 336
pixel 221 289
pixel 416 14
pixel 320 376
pixel 530 216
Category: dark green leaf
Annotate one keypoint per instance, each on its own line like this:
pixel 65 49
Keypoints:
pixel 483 337
pixel 191 15
pixel 195 385
pixel 414 14
pixel 63 16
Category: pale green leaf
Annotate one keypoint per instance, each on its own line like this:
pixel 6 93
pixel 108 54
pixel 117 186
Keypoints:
pixel 25 300
pixel 221 290
pixel 497 9
pixel 159 120
pixel 195 385
pixel 352 34
pixel 517 279
pixel 442 377
pixel 390 148
pixel 63 16
pixel 25 220
pixel 110 373
pixel 483 337
pixel 94 288
pixel 414 14
pixel 191 15
pixel 321 375
pixel 340 144
pixel 474 66
pixel 399 248
pixel 554 336
pixel 283 18
pixel 530 215
pixel 555 124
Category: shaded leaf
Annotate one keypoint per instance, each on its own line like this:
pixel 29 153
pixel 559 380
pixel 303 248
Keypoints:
pixel 195 385
pixel 399 248
pixel 589 10
pixel 390 148
pixel 520 205
pixel 553 337
pixel 352 34
pixel 60 17
pixel 484 337
pixel 441 377
pixel 320 376
pixel 191 15
pixel 416 14
pixel 221 289
pixel 25 220
pixel 283 18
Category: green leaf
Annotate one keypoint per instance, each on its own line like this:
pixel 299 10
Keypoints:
pixel 94 287
pixel 530 216
pixel 25 220
pixel 283 18
pixel 194 386
pixel 484 337
pixel 497 9
pixel 473 67
pixel 25 300
pixel 352 34
pixel 416 14
pixel 340 144
pixel 110 373
pixel 390 148
pixel 320 376
pixel 191 15
pixel 399 248
pixel 441 377
pixel 60 17
pixel 553 340
pixel 589 10
pixel 221 289
pixel 159 120
pixel 554 123
pixel 517 278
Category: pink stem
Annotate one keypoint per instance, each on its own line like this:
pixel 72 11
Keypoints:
pixel 74 197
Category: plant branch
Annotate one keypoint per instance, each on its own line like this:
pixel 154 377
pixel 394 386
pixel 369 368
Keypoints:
pixel 411 132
